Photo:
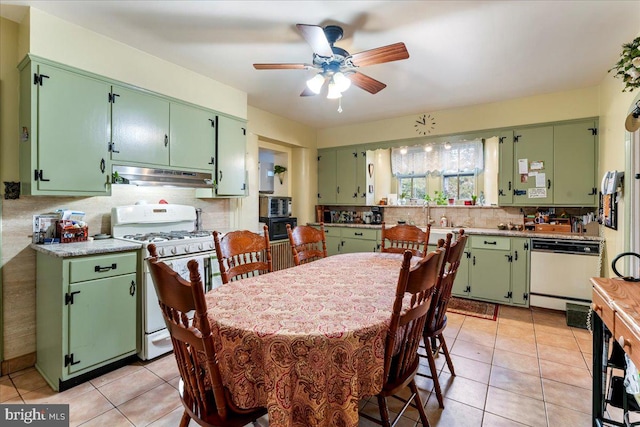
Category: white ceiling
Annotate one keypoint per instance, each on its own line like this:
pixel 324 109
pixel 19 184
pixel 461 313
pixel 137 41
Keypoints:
pixel 461 52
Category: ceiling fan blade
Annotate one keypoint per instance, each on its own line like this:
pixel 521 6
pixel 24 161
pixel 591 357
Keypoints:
pixel 392 52
pixel 281 66
pixel 365 82
pixel 308 92
pixel 315 36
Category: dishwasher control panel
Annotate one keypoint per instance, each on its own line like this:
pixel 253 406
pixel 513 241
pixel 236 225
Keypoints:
pixel 581 247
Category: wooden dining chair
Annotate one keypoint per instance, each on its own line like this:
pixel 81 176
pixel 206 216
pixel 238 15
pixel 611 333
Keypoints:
pixel 203 395
pixel 307 243
pixel 433 336
pixel 410 309
pixel 401 237
pixel 243 254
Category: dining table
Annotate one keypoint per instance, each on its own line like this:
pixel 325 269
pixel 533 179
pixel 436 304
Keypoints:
pixel 306 342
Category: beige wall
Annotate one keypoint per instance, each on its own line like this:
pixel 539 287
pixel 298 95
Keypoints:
pixel 535 109
pixel 9 93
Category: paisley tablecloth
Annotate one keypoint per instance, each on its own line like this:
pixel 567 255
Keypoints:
pixel 306 342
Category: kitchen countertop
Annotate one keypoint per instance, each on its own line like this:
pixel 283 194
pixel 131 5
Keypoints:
pixel 92 247
pixel 481 231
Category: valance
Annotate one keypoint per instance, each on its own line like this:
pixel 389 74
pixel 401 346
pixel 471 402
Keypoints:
pixel 438 159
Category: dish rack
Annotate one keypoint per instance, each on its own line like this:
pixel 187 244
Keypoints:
pixel 70 232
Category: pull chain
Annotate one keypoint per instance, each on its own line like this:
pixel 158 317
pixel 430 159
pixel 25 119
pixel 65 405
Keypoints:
pixel 340 105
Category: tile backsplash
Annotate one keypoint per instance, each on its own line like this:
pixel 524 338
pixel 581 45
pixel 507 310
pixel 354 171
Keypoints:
pixel 457 216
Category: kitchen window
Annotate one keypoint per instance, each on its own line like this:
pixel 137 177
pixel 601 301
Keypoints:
pixel 457 164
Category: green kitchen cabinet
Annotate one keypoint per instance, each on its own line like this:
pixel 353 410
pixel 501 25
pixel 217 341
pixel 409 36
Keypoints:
pixel 139 127
pixel 327 175
pixel 574 156
pixel 505 168
pixel 85 315
pixel 345 240
pixel 231 147
pixel 64 129
pixel 498 269
pixel 192 137
pixel 533 154
pixel 520 270
pixel 347 183
pixel 333 240
pixel 462 284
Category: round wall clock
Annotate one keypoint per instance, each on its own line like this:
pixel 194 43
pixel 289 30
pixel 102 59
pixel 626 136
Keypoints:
pixel 425 123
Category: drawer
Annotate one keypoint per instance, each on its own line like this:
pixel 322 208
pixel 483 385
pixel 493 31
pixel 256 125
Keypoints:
pixel 99 267
pixel 360 233
pixel 604 310
pixel 491 242
pixel 627 339
pixel 331 231
pixel 553 228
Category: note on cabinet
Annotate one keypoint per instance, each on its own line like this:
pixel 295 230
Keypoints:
pixel 523 166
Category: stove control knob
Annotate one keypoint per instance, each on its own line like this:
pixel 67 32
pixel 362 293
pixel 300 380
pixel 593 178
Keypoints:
pixel 200 246
pixel 186 249
pixel 209 245
pixel 173 251
pixel 161 251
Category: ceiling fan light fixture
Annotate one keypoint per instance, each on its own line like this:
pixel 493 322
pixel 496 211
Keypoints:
pixel 315 83
pixel 447 146
pixel 341 81
pixel 334 92
pixel 428 148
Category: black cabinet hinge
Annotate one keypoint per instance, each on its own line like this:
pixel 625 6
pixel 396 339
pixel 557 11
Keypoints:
pixel 509 295
pixel 637 176
pixel 525 296
pixel 319 158
pixel 501 139
pixel 68 297
pixel 516 138
pixel 526 246
pixel 38 175
pixel 468 254
pixel 318 195
pixel 37 79
pixel 244 131
pixel 594 131
pixel 68 360
pixel 355 154
pixel 468 288
pixel 213 122
pixel 112 97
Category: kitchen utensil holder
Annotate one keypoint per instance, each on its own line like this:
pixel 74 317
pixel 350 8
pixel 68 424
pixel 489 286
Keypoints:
pixel 70 233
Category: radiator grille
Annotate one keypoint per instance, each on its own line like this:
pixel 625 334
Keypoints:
pixel 281 255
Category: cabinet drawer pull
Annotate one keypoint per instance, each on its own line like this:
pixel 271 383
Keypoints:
pixel 132 288
pixel 102 165
pixel 166 139
pixel 99 269
pixel 490 243
pixel 357 234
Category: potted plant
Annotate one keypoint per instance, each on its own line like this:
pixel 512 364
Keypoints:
pixel 279 170
pixel 474 198
pixel 403 197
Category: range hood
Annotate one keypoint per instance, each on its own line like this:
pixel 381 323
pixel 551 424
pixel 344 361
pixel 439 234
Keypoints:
pixel 162 177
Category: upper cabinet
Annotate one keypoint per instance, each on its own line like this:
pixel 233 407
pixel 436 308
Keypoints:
pixel 344 178
pixel 552 165
pixel 574 152
pixel 231 147
pixel 140 127
pixel 64 128
pixel 192 137
pixel 75 126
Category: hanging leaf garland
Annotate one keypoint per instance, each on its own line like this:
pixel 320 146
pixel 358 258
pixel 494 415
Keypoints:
pixel 628 67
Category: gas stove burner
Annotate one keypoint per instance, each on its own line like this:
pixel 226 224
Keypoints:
pixel 166 236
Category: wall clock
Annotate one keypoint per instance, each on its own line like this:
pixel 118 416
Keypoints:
pixel 425 123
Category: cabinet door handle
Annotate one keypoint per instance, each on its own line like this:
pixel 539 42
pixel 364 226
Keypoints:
pixel 516 255
pixel 474 260
pixel 509 185
pixel 132 288
pixel 548 184
pixel 338 190
pixel 166 140
pixel 99 269
pixel 102 166
pixel 220 179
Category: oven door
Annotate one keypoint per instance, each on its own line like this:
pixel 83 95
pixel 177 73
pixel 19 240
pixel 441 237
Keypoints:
pixel 155 338
pixel 278 227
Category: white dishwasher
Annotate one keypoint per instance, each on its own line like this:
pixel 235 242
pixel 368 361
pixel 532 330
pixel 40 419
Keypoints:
pixel 560 272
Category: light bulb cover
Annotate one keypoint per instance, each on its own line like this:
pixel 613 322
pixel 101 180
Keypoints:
pixel 447 146
pixel 341 81
pixel 333 92
pixel 428 148
pixel 315 83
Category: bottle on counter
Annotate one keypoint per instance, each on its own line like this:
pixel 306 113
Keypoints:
pixel 444 222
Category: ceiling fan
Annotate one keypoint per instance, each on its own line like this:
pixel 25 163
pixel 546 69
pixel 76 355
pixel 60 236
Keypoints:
pixel 336 65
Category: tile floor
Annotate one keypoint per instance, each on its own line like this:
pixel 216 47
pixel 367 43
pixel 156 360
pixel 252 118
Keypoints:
pixel 527 368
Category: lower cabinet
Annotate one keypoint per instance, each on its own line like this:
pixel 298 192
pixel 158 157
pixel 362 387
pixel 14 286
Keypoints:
pixel 496 269
pixel 85 315
pixel 345 240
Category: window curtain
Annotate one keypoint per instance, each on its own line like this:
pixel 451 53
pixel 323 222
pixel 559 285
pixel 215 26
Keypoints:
pixel 461 157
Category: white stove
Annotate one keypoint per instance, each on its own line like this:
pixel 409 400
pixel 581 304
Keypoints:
pixel 172 229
